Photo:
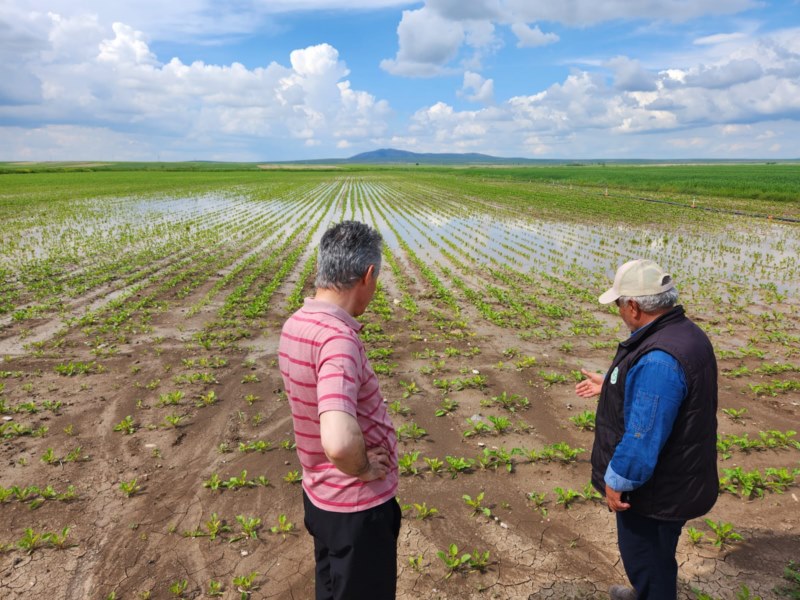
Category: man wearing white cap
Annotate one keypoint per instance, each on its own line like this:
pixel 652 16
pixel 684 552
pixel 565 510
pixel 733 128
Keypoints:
pixel 654 456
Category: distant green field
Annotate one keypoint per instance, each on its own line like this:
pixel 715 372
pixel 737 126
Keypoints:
pixel 752 181
pixel 568 192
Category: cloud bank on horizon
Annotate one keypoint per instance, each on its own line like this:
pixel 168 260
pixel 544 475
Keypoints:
pixel 283 80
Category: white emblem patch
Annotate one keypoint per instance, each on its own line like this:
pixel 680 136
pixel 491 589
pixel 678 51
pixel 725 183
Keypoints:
pixel 614 375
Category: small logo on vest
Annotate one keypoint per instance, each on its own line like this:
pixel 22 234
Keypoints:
pixel 614 375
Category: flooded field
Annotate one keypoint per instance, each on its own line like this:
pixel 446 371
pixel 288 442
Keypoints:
pixel 146 443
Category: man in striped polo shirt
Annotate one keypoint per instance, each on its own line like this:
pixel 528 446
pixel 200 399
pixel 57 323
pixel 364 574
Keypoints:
pixel 345 439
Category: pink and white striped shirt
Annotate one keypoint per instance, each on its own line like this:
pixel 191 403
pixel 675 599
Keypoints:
pixel 325 367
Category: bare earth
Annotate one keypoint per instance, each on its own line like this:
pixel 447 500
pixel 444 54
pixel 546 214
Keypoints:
pixel 141 546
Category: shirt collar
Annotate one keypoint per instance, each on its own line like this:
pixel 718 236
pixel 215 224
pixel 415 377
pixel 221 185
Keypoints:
pixel 312 305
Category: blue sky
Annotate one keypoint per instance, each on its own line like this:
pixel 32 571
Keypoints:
pixel 257 80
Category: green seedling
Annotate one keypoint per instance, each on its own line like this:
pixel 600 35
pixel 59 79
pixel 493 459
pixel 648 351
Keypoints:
pixel 525 363
pixel 52 405
pixel 735 415
pixel 249 527
pixel 479 561
pixel 511 402
pixel 584 421
pixel 424 511
pixel 215 526
pixel 589 493
pixel 293 477
pixel 695 536
pixel 456 465
pixel 67 496
pixel 213 483
pixel 446 407
pixel 129 488
pixel 30 541
pixel 723 533
pixel 178 588
pixel 477 504
pixel 49 457
pixel 434 464
pixel 23 494
pixel 452 560
pixel 252 378
pixel 415 562
pixel 411 431
pixel 409 388
pixel 207 399
pixel 240 481
pixel 538 499
pixel 215 589
pixel 406 463
pixel 552 377
pixel 170 398
pixel 791 573
pixel 566 497
pixel 477 427
pixel 126 425
pixel 255 446
pixel 58 540
pixel 245 584
pixel 499 424
pixel 284 526
pixel 71 369
pixel 173 420
pixel 396 408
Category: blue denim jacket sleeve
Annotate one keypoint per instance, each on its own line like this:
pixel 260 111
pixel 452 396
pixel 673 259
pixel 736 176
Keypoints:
pixel 655 387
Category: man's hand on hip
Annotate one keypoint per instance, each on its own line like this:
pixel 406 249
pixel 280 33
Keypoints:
pixel 614 500
pixel 379 464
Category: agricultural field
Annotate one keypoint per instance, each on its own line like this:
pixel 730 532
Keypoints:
pixel 146 444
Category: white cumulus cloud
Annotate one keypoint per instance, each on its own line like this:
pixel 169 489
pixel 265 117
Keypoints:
pixel 477 89
pixel 112 82
pixel 531 37
pixel 427 42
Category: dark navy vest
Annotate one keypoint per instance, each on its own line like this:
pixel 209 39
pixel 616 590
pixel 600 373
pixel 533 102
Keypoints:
pixel 685 482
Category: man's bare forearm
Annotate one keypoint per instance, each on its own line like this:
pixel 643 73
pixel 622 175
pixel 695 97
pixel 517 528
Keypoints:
pixel 344 446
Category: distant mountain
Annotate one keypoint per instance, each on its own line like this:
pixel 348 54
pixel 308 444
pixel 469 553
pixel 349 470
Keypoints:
pixel 390 155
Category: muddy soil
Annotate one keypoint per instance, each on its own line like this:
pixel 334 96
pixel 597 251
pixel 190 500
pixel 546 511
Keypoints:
pixel 148 542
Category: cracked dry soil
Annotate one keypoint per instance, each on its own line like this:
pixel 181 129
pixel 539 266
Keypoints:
pixel 143 545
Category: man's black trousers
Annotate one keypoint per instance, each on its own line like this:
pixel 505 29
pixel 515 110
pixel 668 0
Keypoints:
pixel 647 547
pixel 356 553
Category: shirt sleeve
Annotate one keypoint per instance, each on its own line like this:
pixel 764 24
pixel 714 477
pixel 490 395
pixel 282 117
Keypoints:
pixel 655 387
pixel 338 377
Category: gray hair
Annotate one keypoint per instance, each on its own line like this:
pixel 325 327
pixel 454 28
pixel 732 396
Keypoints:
pixel 345 253
pixel 655 302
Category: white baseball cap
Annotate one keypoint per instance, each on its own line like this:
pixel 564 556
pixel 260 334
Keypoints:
pixel 639 277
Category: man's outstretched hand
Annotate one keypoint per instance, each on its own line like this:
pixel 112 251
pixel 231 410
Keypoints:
pixel 590 386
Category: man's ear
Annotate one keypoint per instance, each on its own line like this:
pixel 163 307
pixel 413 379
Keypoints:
pixel 368 273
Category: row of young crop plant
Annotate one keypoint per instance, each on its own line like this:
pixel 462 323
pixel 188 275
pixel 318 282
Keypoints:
pixel 128 267
pixel 112 322
pixel 518 307
pixel 578 275
pixel 243 235
pixel 251 298
pixel 94 246
pixel 692 246
pixel 247 271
